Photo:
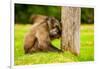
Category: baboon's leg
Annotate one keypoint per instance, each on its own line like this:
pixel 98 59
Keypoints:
pixel 43 46
pixel 34 48
pixel 44 42
pixel 29 43
pixel 43 39
pixel 54 49
pixel 46 46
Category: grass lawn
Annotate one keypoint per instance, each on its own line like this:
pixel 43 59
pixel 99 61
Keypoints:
pixel 86 49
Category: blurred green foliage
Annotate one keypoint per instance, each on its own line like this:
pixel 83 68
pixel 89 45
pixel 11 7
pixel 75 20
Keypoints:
pixel 24 11
pixel 87 15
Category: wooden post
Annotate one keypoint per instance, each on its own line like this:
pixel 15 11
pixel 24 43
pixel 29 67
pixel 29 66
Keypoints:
pixel 71 29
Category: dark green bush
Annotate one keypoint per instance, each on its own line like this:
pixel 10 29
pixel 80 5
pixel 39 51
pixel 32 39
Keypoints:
pixel 24 11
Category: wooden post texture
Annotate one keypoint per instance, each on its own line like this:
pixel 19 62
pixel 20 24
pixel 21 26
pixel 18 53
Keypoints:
pixel 70 19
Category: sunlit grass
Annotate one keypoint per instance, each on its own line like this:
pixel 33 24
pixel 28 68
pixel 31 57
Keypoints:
pixel 86 50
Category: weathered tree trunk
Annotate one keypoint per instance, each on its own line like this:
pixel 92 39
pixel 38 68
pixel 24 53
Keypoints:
pixel 71 29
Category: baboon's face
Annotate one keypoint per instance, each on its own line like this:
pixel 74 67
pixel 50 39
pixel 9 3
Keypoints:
pixel 54 27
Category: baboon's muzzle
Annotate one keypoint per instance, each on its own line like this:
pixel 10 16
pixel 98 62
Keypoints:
pixel 55 33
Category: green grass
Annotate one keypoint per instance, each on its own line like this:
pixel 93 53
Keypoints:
pixel 86 49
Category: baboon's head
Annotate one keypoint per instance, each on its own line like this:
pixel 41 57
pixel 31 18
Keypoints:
pixel 53 24
pixel 54 27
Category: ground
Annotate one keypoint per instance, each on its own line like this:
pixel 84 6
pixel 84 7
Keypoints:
pixel 86 49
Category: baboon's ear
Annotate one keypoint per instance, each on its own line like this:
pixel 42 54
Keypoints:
pixel 32 18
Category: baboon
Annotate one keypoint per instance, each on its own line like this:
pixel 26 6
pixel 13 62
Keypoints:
pixel 38 37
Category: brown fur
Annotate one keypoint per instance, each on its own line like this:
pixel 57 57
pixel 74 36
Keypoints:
pixel 38 37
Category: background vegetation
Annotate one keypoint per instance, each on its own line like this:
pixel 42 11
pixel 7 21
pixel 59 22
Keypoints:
pixel 22 25
pixel 24 11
